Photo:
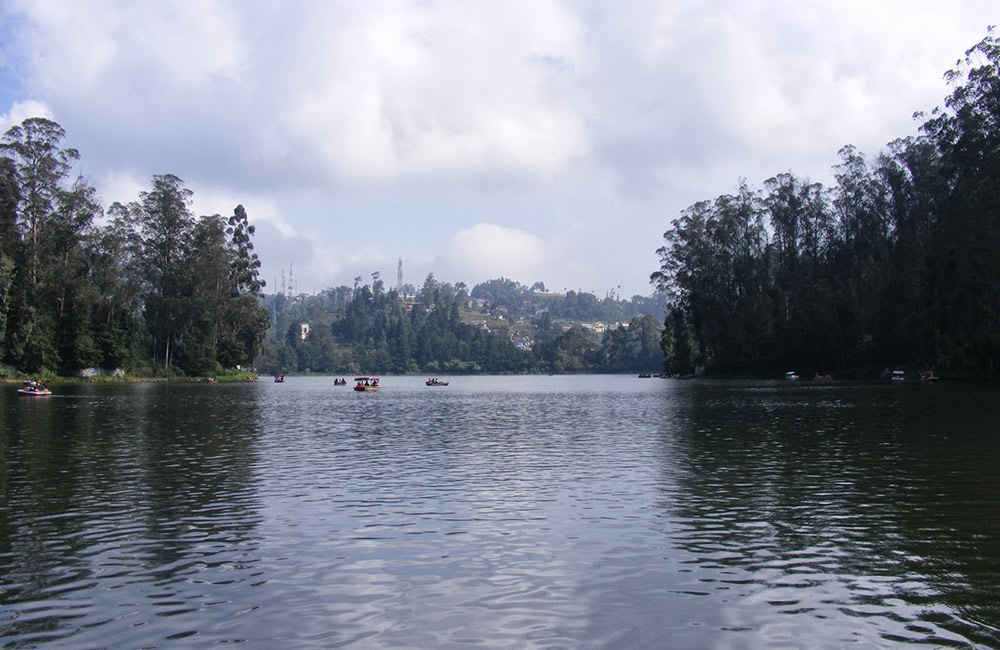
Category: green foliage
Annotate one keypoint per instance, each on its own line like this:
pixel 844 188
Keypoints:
pixel 897 263
pixel 360 329
pixel 153 285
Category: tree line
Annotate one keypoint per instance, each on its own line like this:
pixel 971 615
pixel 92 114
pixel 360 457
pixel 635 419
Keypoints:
pixel 367 329
pixel 897 263
pixel 143 286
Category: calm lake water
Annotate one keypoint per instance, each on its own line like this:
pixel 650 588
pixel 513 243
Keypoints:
pixel 501 512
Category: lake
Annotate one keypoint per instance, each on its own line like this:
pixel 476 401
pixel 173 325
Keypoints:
pixel 501 512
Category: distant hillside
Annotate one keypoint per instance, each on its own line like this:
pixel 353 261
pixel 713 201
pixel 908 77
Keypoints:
pixel 500 326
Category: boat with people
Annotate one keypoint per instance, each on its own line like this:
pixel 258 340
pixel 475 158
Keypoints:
pixel 436 382
pixel 927 376
pixel 279 379
pixel 791 375
pixel 366 384
pixel 34 388
pixel 339 382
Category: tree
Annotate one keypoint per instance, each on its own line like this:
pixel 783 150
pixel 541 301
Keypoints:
pixel 166 228
pixel 52 216
pixel 245 321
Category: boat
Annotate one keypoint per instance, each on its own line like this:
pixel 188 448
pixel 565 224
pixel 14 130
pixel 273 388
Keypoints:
pixel 339 382
pixel 366 384
pixel 791 376
pixel 436 382
pixel 927 376
pixel 279 379
pixel 645 376
pixel 34 388
pixel 898 375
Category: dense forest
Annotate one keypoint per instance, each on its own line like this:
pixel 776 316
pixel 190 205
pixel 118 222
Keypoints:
pixel 898 263
pixel 144 286
pixel 500 326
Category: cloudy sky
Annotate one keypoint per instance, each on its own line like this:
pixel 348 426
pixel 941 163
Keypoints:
pixel 539 140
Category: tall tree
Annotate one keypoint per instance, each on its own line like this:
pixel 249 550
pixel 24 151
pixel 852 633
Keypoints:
pixel 52 216
pixel 166 228
pixel 245 322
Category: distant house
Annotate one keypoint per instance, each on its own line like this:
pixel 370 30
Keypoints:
pixel 303 331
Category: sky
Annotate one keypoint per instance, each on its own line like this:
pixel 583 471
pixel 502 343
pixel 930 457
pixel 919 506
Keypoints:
pixel 537 140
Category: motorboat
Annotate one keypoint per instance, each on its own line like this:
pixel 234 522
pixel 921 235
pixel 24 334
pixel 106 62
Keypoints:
pixel 791 375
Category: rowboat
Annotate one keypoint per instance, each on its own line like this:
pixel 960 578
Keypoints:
pixel 436 382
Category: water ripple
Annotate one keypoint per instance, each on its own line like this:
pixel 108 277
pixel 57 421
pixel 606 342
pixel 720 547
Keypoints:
pixel 504 512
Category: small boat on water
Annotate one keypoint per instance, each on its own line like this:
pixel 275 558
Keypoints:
pixel 791 375
pixel 34 392
pixel 34 388
pixel 898 375
pixel 927 376
pixel 279 379
pixel 436 382
pixel 339 382
pixel 366 384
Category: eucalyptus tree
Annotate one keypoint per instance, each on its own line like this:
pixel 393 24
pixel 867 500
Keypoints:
pixel 115 275
pixel 687 275
pixel 52 215
pixel 166 230
pixel 245 322
pixel 9 243
pixel 967 265
pixel 799 216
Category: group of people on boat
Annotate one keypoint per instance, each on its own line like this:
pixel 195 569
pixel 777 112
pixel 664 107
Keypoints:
pixel 34 387
pixel 339 382
pixel 367 384
pixel 434 381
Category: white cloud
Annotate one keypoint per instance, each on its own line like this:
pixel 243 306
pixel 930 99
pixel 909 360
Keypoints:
pixel 363 131
pixel 486 251
pixel 20 111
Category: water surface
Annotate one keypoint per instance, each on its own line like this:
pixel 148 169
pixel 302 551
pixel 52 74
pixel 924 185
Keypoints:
pixel 501 512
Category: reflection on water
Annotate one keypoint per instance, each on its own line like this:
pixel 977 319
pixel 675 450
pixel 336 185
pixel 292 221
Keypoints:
pixel 503 512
